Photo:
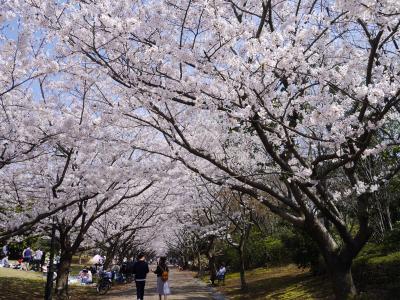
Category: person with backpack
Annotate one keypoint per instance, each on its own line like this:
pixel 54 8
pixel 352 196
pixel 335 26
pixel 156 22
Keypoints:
pixel 162 278
pixel 140 268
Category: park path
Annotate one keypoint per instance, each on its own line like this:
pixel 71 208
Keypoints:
pixel 183 287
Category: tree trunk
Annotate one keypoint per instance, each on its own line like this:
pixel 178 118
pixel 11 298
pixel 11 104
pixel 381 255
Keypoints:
pixel 185 263
pixel 243 284
pixel 213 269
pixel 62 276
pixel 388 217
pixel 199 264
pixel 50 269
pixel 338 261
pixel 343 284
pixel 109 257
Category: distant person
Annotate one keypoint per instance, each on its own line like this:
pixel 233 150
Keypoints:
pixel 4 257
pixel 6 250
pixel 27 258
pixel 97 261
pixel 37 259
pixel 85 276
pixel 4 262
pixel 221 273
pixel 162 278
pixel 140 268
pixel 18 265
pixel 43 260
pixel 116 272
pixel 93 270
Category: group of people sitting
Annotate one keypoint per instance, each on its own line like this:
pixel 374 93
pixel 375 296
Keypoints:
pixel 86 274
pixel 30 260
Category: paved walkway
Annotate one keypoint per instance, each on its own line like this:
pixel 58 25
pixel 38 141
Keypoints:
pixel 183 287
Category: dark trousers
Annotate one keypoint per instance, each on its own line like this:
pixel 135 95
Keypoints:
pixel 140 289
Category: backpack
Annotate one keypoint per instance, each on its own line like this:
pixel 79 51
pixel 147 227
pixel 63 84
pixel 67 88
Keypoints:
pixel 164 275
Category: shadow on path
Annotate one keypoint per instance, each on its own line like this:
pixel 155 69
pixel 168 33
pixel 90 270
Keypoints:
pixel 183 287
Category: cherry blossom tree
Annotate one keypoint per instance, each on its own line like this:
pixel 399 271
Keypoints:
pixel 275 99
pixel 74 224
pixel 123 228
pixel 202 227
pixel 239 212
pixel 25 62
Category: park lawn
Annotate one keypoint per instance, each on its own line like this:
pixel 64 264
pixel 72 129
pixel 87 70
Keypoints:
pixel 376 277
pixel 75 269
pixel 17 285
pixel 286 283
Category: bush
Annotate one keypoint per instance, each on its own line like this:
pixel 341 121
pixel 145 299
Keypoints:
pixel 391 241
pixel 276 251
pixel 304 252
pixel 259 252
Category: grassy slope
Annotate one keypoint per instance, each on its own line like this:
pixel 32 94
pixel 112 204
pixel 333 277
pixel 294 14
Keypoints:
pixel 377 277
pixel 284 283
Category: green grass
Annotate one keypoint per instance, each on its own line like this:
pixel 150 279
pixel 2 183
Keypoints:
pixel 75 269
pixel 385 259
pixel 286 283
pixel 376 277
pixel 17 285
pixel 378 273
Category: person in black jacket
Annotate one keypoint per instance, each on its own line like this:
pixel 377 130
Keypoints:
pixel 140 269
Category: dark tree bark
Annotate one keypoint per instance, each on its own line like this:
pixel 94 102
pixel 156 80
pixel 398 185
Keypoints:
pixel 62 275
pixel 343 284
pixel 338 260
pixel 199 271
pixel 213 268
pixel 243 284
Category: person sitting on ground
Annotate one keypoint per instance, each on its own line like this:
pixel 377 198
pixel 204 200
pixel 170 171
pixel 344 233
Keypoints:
pixel 18 265
pixel 4 262
pixel 116 272
pixel 85 276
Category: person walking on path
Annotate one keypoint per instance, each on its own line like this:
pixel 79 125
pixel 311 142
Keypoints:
pixel 162 278
pixel 140 268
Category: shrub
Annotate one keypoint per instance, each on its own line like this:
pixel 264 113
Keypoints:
pixel 276 251
pixel 304 252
